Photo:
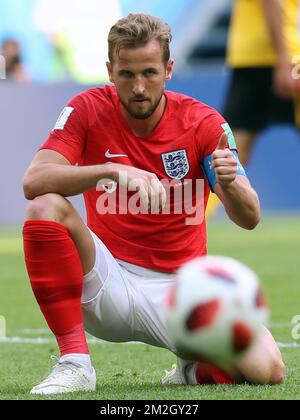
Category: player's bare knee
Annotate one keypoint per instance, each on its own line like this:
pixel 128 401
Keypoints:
pixel 277 367
pixel 270 371
pixel 277 372
pixel 48 207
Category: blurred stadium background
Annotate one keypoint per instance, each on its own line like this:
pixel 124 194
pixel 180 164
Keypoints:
pixel 63 51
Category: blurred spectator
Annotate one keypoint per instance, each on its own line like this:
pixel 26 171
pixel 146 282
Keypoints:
pixel 11 51
pixel 264 42
pixel 78 30
pixel 16 23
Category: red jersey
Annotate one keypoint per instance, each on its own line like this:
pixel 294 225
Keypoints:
pixel 91 131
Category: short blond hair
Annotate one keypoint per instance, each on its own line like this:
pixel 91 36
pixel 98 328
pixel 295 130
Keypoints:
pixel 136 30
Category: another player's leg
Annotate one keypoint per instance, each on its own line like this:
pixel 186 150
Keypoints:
pixel 297 108
pixel 245 141
pixel 247 106
pixel 58 250
pixel 262 364
pixel 212 205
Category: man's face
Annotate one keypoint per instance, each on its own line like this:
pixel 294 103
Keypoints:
pixel 139 75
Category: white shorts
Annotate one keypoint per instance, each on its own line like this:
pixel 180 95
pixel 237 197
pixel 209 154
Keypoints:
pixel 121 306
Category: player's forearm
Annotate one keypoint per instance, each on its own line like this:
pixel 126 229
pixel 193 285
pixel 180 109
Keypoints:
pixel 241 204
pixel 274 15
pixel 65 180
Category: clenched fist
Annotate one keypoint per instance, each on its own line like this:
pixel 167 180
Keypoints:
pixel 224 163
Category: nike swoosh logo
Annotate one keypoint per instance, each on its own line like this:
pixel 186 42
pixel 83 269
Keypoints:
pixel 108 155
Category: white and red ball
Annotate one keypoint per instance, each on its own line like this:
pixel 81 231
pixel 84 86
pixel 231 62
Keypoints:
pixel 215 309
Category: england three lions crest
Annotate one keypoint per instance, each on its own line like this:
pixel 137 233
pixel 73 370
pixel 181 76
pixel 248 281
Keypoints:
pixel 176 164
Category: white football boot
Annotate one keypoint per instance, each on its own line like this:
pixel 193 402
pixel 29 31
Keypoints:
pixel 67 376
pixel 182 373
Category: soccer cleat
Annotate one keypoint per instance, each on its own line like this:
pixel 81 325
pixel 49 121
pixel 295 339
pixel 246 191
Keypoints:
pixel 66 377
pixel 179 375
pixel 196 373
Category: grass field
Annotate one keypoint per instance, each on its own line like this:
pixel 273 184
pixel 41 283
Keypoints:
pixel 132 371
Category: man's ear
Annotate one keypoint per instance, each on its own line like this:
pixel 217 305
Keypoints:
pixel 109 70
pixel 169 70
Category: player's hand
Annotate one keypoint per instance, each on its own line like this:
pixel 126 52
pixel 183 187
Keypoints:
pixel 151 191
pixel 284 84
pixel 224 163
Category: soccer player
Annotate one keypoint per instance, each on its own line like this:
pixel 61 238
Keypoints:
pixel 263 49
pixel 263 53
pixel 112 275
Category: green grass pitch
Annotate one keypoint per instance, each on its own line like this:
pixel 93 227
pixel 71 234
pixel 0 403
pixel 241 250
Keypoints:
pixel 129 371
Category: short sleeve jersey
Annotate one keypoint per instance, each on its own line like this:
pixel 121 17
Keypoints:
pixel 91 131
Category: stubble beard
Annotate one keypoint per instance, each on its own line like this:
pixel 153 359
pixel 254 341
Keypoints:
pixel 139 115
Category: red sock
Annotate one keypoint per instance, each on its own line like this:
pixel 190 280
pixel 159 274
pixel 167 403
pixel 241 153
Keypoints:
pixel 211 375
pixel 56 277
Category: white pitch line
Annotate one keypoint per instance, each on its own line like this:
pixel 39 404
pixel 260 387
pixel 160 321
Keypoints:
pixel 45 331
pixel 34 331
pixel 278 325
pixel 39 340
pixel 289 345
pixel 20 340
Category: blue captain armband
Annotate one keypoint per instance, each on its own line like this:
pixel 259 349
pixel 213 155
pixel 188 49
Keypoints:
pixel 211 174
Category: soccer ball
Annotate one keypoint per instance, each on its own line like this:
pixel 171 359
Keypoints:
pixel 215 310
